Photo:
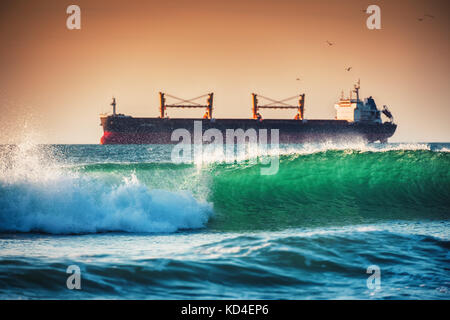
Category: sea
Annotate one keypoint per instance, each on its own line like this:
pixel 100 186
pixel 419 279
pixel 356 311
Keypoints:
pixel 336 221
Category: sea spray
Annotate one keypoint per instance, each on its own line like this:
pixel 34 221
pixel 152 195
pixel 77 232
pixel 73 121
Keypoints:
pixel 37 195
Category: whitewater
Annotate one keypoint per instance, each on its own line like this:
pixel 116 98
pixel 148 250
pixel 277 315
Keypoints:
pixel 140 226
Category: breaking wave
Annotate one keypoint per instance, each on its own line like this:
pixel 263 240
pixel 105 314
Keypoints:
pixel 38 196
pixel 315 186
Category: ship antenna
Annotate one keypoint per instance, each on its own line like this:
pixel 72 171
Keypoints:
pixel 357 87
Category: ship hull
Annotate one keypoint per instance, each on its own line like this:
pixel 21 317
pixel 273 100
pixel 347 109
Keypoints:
pixel 128 130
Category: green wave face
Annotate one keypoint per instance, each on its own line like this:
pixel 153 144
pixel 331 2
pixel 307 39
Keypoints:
pixel 334 187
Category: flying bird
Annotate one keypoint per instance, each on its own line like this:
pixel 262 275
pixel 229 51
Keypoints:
pixel 425 16
pixel 329 43
pixel 348 69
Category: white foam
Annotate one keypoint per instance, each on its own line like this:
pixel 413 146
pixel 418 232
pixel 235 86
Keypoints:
pixel 311 148
pixel 443 149
pixel 254 152
pixel 37 195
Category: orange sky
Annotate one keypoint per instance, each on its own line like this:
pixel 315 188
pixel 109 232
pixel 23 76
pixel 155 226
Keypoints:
pixel 54 81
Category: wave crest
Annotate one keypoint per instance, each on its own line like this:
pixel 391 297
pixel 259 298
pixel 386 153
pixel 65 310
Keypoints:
pixel 36 196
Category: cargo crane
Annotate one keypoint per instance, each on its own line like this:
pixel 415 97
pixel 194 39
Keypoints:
pixel 183 103
pixel 278 104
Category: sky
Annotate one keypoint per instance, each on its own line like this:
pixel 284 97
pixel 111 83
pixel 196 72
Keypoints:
pixel 54 82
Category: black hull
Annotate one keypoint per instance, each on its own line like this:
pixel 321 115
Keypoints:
pixel 128 130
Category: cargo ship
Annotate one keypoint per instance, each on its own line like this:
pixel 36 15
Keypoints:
pixel 355 119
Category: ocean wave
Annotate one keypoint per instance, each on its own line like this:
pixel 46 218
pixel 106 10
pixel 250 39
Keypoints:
pixel 81 205
pixel 335 187
pixel 320 264
pixel 36 195
pixel 39 192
